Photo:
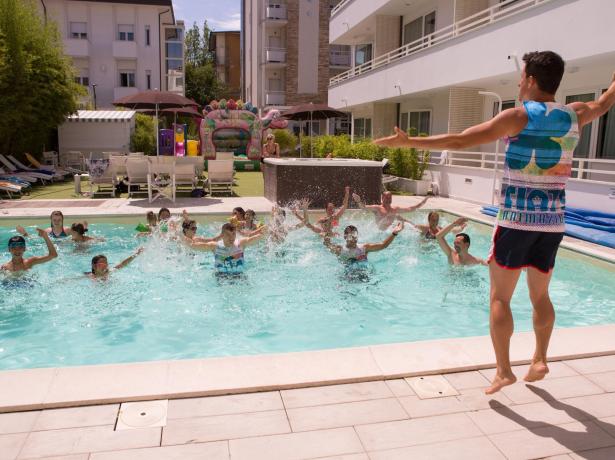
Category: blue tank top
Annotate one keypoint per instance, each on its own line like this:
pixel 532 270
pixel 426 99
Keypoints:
pixel 537 166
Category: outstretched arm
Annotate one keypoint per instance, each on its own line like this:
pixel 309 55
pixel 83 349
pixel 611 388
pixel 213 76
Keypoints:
pixel 508 123
pixel 22 231
pixel 129 259
pixel 412 208
pixel 51 250
pixel 589 111
pixel 441 237
pixel 259 235
pixel 334 248
pixel 373 247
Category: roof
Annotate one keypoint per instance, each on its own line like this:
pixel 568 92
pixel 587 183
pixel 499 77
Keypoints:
pixel 102 115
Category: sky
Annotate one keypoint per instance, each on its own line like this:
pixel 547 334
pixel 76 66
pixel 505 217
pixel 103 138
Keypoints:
pixel 220 14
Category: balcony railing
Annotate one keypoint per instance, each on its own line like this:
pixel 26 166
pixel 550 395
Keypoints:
pixel 339 6
pixel 275 98
pixel 481 19
pixel 275 55
pixel 586 169
pixel 277 12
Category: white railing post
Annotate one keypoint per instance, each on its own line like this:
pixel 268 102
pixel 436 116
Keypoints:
pixel 581 169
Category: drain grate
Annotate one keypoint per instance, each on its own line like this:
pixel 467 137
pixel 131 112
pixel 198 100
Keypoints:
pixel 142 414
pixel 431 386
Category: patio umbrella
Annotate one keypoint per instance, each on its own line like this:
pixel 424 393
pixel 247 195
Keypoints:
pixel 154 100
pixel 311 112
pixel 186 111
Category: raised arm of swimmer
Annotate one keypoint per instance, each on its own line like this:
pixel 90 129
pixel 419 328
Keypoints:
pixel 341 210
pixel 412 208
pixel 370 207
pixel 441 237
pixel 373 247
pixel 129 259
pixel 51 250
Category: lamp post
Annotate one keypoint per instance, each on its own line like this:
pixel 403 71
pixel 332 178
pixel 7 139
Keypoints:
pixel 94 91
pixel 497 142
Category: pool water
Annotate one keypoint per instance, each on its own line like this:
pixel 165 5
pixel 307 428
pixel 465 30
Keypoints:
pixel 169 305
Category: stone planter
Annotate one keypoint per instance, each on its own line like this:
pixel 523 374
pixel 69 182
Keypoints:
pixel 418 187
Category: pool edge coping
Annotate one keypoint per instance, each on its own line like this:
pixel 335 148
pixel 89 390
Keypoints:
pixel 52 388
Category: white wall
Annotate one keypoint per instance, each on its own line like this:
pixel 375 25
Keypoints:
pixel 307 65
pixel 95 136
pixel 483 53
pixel 475 185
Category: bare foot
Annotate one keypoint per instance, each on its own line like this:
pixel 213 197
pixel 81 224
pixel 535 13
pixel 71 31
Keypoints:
pixel 500 381
pixel 537 371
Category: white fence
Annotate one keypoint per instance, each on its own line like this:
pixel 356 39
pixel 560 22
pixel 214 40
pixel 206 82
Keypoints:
pixel 478 20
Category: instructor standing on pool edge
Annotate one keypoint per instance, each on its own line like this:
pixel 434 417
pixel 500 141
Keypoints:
pixel 542 136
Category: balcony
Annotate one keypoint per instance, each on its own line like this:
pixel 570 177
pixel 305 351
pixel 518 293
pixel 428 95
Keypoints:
pixel 122 91
pixel 77 47
pixel 275 57
pixel 123 49
pixel 276 12
pixel 441 59
pixel 275 98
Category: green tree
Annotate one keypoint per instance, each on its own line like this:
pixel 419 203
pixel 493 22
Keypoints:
pixel 144 137
pixel 36 79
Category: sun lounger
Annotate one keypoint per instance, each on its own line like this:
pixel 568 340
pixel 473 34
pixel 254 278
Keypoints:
pixel 14 170
pixel 220 176
pixel 137 169
pixel 20 165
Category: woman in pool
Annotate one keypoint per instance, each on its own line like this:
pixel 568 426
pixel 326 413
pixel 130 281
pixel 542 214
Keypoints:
pixel 238 218
pixel 354 254
pixel 325 225
pixel 146 229
pixel 100 265
pixel 78 233
pixel 432 228
pixel 250 225
pixel 56 230
pixel 278 229
pixel 228 252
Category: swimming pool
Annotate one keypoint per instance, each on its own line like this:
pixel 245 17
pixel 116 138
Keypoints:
pixel 169 305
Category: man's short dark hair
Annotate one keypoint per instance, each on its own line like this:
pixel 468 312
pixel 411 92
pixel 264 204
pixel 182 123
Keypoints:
pixel 16 240
pixel 349 229
pixel 546 67
pixel 465 236
pixel 228 227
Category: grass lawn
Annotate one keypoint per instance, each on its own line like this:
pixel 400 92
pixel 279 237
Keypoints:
pixel 249 183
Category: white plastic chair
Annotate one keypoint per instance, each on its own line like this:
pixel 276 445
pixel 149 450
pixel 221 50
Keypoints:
pixel 137 170
pixel 102 178
pixel 157 185
pixel 220 176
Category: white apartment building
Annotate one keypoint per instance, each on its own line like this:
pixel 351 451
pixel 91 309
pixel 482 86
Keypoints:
pixel 121 47
pixel 286 55
pixel 422 63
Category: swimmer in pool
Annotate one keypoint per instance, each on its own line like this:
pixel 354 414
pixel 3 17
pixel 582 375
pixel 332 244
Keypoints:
pixel 278 229
pixel 17 248
pixel 250 223
pixel 146 229
pixel 238 218
pixel 100 265
pixel 353 253
pixel 432 228
pixel 459 254
pixel 325 225
pixel 78 233
pixel 228 252
pixel 385 213
pixel 56 230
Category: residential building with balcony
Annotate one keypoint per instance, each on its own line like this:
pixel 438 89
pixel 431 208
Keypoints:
pixel 226 47
pixel 423 63
pixel 286 55
pixel 120 47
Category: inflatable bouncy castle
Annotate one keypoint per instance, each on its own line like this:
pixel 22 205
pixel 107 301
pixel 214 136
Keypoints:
pixel 235 126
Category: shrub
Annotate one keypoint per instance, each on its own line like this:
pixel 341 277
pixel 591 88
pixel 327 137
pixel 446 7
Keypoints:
pixel 143 139
pixel 286 139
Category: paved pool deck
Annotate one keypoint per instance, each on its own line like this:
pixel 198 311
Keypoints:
pixel 349 404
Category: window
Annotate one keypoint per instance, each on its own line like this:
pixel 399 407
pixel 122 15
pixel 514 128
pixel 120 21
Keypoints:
pixel 127 79
pixel 175 64
pixel 362 54
pixel 147 36
pixel 606 135
pixel 505 106
pixel 582 150
pixel 172 34
pixel 85 81
pixel 148 79
pixel 174 50
pixel 362 127
pixel 420 121
pixel 126 32
pixel 419 28
pixel 79 30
